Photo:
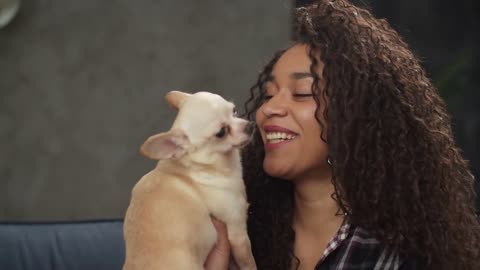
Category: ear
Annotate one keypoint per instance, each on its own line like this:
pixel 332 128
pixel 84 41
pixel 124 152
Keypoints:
pixel 172 144
pixel 176 98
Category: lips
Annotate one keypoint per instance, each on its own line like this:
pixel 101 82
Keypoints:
pixel 277 136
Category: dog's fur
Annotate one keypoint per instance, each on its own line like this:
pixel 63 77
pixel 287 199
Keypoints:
pixel 168 222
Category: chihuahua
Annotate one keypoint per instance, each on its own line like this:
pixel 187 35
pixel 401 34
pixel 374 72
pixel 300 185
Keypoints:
pixel 199 176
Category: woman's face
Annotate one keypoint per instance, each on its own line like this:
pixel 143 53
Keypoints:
pixel 286 120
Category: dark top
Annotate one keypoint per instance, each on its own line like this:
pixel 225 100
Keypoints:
pixel 354 248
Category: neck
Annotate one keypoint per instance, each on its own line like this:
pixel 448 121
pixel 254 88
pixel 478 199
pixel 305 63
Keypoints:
pixel 223 163
pixel 314 209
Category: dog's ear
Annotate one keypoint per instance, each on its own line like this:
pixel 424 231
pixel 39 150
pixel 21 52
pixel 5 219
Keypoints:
pixel 172 144
pixel 176 98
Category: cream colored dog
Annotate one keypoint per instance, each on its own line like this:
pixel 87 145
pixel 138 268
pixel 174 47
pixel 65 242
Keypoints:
pixel 168 222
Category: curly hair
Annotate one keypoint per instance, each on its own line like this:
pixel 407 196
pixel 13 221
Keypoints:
pixel 396 169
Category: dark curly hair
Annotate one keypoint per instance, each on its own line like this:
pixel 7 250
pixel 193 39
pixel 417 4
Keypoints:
pixel 396 169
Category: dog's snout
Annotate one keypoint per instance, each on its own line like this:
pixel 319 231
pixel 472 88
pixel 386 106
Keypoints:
pixel 250 127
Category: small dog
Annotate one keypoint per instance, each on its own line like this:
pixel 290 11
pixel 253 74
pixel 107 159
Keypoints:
pixel 168 222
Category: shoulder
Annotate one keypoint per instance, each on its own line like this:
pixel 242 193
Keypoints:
pixel 361 249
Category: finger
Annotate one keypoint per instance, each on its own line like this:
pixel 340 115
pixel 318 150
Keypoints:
pixel 219 256
pixel 222 236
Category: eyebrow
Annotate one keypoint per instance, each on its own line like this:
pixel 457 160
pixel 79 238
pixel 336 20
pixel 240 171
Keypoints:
pixel 293 75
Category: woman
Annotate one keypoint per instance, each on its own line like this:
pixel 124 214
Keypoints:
pixel 353 165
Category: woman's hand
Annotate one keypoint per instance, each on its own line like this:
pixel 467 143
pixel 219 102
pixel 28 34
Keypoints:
pixel 219 256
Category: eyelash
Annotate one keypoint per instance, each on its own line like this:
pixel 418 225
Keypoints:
pixel 303 95
pixel 267 97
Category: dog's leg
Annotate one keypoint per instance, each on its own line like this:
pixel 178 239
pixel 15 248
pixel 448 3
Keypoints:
pixel 241 248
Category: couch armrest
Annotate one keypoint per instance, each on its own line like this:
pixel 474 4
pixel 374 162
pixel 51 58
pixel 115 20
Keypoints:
pixel 85 245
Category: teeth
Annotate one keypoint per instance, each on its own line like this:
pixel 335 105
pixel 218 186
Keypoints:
pixel 274 137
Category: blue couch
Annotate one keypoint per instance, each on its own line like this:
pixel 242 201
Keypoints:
pixel 84 245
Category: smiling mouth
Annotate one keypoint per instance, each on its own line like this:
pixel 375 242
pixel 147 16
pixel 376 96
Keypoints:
pixel 278 137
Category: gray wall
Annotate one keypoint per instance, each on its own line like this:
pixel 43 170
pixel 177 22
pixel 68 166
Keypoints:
pixel 82 86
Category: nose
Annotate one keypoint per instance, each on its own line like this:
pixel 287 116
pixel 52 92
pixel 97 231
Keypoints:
pixel 275 106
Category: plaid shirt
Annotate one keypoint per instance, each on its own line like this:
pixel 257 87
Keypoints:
pixel 353 248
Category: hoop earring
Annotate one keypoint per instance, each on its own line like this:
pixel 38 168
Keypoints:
pixel 329 161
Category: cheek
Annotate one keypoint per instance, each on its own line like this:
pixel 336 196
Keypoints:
pixel 312 131
pixel 319 148
pixel 219 146
pixel 306 115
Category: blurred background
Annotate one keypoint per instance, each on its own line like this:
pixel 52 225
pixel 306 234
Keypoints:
pixel 82 85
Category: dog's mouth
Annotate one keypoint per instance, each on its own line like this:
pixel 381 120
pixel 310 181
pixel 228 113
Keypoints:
pixel 242 145
pixel 248 133
pixel 244 142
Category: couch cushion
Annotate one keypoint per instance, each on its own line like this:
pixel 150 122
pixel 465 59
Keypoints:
pixel 86 245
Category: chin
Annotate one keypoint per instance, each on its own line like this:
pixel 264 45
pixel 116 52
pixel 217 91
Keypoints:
pixel 275 171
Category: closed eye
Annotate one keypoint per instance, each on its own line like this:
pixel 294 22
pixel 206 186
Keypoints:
pixel 303 95
pixel 297 96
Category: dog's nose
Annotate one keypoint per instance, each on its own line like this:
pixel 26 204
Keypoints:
pixel 250 127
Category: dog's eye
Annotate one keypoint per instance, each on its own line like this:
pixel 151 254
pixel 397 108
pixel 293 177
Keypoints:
pixel 221 133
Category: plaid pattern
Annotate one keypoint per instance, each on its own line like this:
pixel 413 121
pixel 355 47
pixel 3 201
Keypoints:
pixel 353 248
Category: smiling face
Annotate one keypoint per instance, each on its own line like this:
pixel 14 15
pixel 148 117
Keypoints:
pixel 286 120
